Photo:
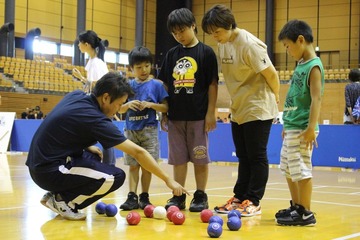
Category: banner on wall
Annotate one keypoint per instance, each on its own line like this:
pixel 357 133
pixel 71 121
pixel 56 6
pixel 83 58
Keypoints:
pixel 6 124
pixel 337 147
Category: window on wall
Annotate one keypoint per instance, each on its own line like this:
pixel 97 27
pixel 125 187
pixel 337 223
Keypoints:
pixel 123 58
pixel 44 47
pixel 110 57
pixel 66 50
pixel 47 47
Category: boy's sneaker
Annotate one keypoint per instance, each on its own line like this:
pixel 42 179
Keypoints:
pixel 144 200
pixel 286 212
pixel 199 202
pixel 178 201
pixel 298 217
pixel 231 204
pixel 249 209
pixel 131 202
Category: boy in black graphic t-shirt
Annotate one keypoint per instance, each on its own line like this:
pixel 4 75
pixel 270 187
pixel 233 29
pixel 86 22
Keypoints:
pixel 190 72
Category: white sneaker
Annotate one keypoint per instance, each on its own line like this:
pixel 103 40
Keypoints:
pixel 45 198
pixel 64 210
pixel 49 202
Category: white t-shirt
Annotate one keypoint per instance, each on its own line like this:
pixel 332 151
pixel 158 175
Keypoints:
pixel 95 69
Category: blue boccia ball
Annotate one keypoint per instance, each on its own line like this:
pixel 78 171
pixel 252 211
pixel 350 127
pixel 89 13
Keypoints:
pixel 214 230
pixel 217 219
pixel 234 213
pixel 100 207
pixel 234 223
pixel 111 210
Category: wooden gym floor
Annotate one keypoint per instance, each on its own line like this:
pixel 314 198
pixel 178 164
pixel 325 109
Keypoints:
pixel 336 201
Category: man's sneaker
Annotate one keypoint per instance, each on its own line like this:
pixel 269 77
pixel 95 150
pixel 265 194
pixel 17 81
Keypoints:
pixel 144 200
pixel 248 209
pixel 298 217
pixel 67 212
pixel 231 204
pixel 50 203
pixel 45 198
pixel 286 212
pixel 178 201
pixel 199 202
pixel 131 202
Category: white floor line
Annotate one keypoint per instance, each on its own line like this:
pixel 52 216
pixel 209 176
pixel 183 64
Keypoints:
pixel 348 236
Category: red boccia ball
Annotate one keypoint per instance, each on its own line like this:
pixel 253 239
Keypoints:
pixel 178 218
pixel 170 212
pixel 205 215
pixel 169 215
pixel 148 211
pixel 173 208
pixel 133 218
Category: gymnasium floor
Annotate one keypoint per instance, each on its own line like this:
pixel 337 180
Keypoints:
pixel 336 201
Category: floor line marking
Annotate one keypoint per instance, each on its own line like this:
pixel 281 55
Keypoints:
pixel 348 236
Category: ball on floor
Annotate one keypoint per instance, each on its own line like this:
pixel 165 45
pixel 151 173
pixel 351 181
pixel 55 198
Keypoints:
pixel 133 218
pixel 170 211
pixel 178 218
pixel 234 223
pixel 149 211
pixel 111 210
pixel 173 208
pixel 214 230
pixel 234 213
pixel 159 212
pixel 217 219
pixel 100 207
pixel 205 215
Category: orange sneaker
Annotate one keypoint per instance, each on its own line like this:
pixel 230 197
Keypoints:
pixel 231 204
pixel 248 209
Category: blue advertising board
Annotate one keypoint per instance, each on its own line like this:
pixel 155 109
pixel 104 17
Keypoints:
pixel 338 144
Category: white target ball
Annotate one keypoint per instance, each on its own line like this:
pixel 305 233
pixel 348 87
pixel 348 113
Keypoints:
pixel 159 212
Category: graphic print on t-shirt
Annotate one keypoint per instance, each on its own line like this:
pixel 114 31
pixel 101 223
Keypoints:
pixel 295 91
pixel 184 74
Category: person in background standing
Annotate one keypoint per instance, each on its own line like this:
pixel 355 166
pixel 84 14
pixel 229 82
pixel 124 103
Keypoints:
pixel 90 43
pixel 24 115
pixel 352 93
pixel 38 113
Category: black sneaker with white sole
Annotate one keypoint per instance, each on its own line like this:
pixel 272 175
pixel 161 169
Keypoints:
pixel 144 200
pixel 199 202
pixel 286 212
pixel 132 202
pixel 178 201
pixel 298 217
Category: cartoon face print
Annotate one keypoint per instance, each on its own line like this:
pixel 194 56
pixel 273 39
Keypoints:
pixel 182 66
pixel 184 74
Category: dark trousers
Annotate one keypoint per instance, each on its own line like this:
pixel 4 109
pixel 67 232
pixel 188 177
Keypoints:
pixel 109 156
pixel 85 176
pixel 250 140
